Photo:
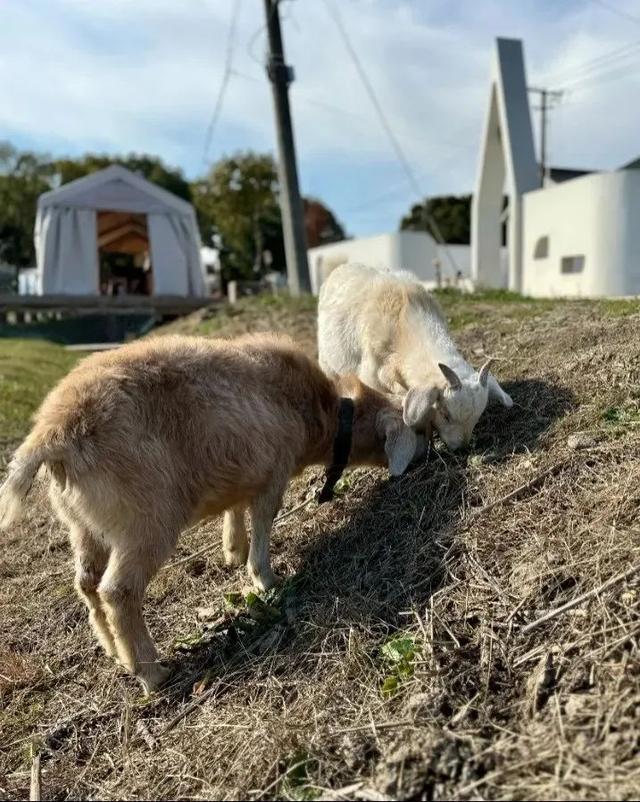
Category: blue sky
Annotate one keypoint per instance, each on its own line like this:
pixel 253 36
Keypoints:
pixel 117 76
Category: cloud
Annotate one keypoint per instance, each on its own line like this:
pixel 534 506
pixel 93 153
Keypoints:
pixel 143 75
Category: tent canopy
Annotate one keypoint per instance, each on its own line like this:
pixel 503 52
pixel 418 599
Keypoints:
pixel 115 209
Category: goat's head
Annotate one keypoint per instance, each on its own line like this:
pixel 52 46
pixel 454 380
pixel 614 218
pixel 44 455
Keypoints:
pixel 455 409
pixel 380 435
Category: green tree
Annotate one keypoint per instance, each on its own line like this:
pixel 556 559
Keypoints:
pixel 238 211
pixel 23 177
pixel 452 214
pixel 237 205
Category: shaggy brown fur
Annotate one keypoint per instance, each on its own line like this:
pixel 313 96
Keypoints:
pixel 143 441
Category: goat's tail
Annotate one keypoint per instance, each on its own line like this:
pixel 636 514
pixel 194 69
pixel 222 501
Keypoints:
pixel 21 472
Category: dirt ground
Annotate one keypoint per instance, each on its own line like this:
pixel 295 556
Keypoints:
pixel 419 649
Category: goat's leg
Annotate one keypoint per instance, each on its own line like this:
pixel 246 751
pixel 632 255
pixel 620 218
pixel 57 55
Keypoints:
pixel 235 543
pixel 91 558
pixel 390 381
pixel 370 372
pixel 263 510
pixel 121 592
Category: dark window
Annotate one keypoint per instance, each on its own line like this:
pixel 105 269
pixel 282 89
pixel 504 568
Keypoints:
pixel 572 264
pixel 541 251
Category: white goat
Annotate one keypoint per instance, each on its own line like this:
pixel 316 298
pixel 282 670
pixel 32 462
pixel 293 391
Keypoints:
pixel 385 327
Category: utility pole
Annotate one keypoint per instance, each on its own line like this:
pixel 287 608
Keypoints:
pixel 281 75
pixel 547 97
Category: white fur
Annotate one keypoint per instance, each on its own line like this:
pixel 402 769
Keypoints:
pixel 386 328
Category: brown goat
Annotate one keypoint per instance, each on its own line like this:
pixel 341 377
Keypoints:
pixel 143 441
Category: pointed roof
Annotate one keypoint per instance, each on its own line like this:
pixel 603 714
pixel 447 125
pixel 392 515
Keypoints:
pixel 118 189
pixel 508 134
pixel 632 165
pixel 507 166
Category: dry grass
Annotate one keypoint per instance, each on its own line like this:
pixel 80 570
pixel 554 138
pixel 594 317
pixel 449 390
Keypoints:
pixel 395 662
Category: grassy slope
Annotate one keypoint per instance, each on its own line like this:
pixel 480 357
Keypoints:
pixel 28 369
pixel 395 663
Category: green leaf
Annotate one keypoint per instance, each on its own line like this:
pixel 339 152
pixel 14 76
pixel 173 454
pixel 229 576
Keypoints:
pixel 259 610
pixel 399 650
pixel 343 484
pixel 390 686
pixel 251 599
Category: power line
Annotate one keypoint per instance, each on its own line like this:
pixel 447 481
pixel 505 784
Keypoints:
pixel 226 75
pixel 389 195
pixel 333 11
pixel 592 65
pixel 309 98
pixel 396 189
pixel 617 11
pixel 596 75
pixel 250 47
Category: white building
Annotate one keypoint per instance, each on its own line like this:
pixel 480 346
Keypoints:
pixel 415 251
pixel 112 233
pixel 210 258
pixel 578 235
pixel 28 281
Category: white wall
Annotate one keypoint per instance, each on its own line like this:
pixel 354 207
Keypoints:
pixel 461 255
pixel 596 216
pixel 403 250
pixel 28 281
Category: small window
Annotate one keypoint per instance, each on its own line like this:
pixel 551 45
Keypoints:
pixel 541 251
pixel 572 264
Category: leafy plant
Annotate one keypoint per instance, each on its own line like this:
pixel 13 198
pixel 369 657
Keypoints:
pixel 260 610
pixel 398 655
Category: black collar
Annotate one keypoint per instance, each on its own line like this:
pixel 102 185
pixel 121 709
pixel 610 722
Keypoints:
pixel 341 449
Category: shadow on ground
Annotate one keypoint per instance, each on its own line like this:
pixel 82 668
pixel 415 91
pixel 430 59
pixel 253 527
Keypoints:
pixel 537 404
pixel 372 555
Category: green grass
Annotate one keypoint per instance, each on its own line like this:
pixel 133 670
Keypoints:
pixel 256 307
pixel 487 296
pixel 466 309
pixel 28 370
pixel 619 307
pixel 627 415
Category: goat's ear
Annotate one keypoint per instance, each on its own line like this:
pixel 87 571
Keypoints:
pixel 483 374
pixel 400 443
pixel 451 376
pixel 496 393
pixel 417 405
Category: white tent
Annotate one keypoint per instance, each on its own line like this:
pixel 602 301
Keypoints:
pixel 119 211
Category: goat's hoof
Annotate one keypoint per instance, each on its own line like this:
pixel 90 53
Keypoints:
pixel 266 581
pixel 153 676
pixel 236 557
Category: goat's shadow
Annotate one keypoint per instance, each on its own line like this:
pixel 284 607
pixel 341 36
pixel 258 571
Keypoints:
pixel 386 558
pixel 537 404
